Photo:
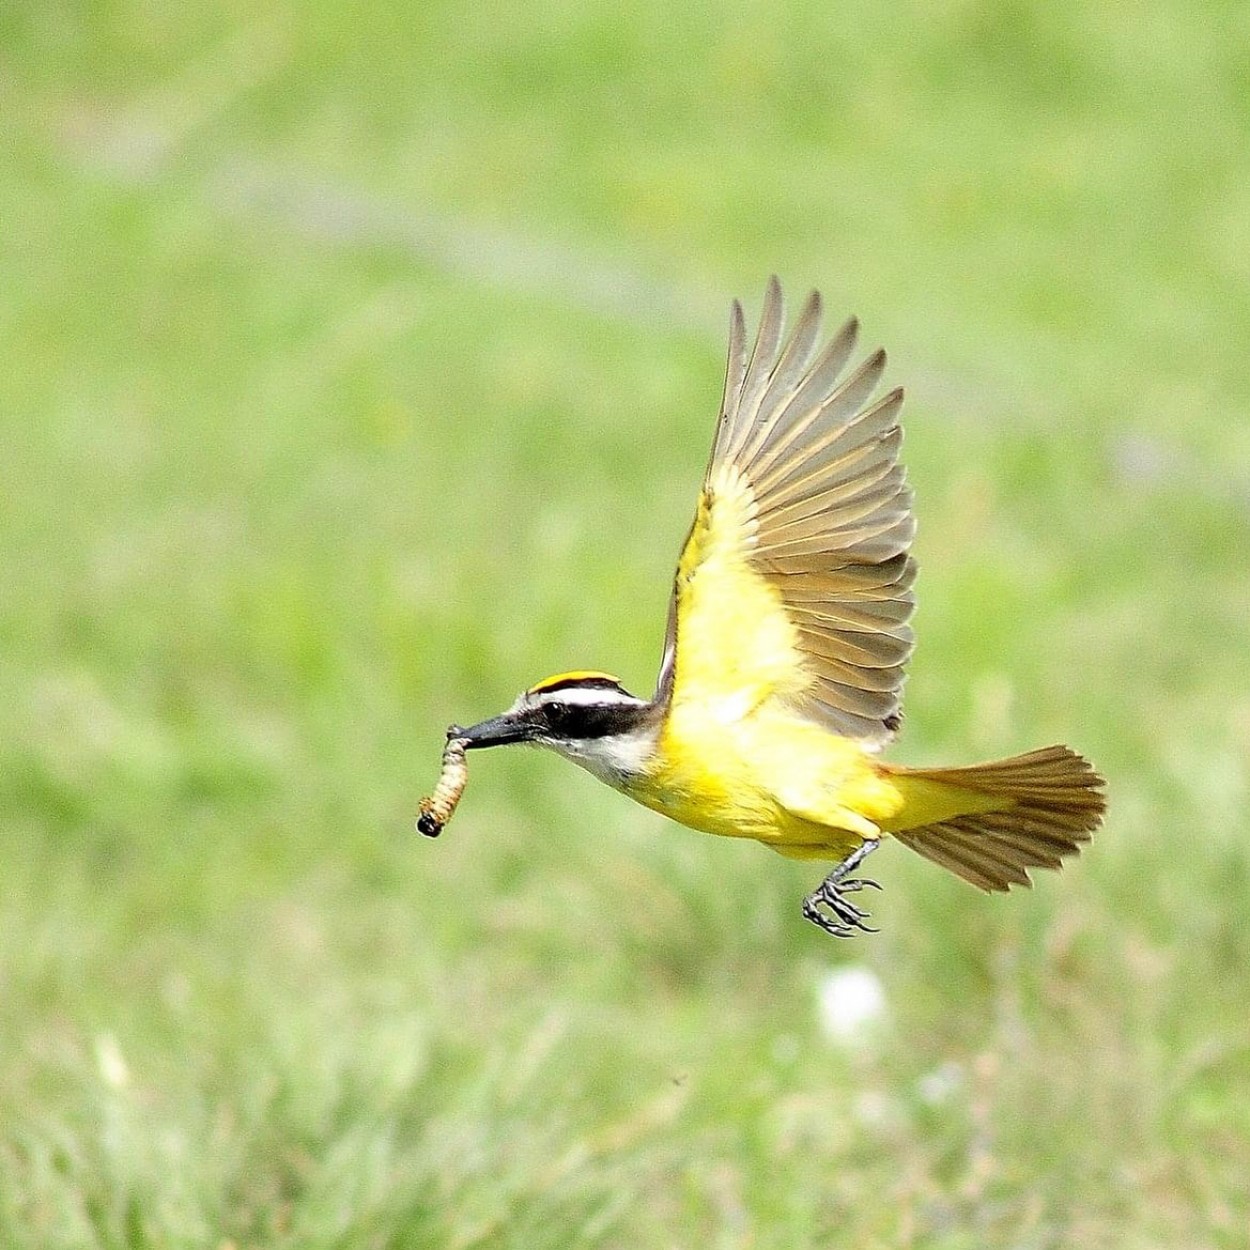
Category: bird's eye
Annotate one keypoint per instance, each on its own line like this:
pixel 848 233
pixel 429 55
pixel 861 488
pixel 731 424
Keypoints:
pixel 559 715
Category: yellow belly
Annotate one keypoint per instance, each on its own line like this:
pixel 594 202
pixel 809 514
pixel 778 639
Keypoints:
pixel 770 776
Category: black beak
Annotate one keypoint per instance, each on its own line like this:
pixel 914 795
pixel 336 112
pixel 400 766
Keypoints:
pixel 496 732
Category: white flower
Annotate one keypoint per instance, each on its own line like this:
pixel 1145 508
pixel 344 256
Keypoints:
pixel 850 1004
pixel 111 1062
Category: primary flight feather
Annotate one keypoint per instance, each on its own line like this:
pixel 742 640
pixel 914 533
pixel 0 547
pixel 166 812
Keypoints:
pixel 787 639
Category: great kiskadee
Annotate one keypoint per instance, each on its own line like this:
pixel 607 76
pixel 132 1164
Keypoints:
pixel 787 638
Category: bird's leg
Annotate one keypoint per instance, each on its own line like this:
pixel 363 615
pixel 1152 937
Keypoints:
pixel 844 918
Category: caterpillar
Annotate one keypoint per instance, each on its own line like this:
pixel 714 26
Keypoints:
pixel 438 808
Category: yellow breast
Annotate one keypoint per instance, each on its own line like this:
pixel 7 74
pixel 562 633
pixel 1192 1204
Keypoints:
pixel 767 775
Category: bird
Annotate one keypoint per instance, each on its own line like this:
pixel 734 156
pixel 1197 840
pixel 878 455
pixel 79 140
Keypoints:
pixel 788 635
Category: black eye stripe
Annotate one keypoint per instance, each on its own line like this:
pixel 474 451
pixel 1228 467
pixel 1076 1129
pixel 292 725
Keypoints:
pixel 590 720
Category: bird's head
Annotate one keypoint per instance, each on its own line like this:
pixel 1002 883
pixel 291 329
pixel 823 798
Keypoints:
pixel 587 717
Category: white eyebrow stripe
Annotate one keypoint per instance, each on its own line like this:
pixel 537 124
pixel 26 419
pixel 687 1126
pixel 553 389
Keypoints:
pixel 590 696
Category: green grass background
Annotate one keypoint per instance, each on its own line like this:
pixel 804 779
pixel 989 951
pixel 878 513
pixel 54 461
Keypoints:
pixel 359 364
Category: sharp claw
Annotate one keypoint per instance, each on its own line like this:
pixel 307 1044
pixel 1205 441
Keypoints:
pixel 846 912
pixel 850 915
pixel 813 913
pixel 858 883
pixel 846 919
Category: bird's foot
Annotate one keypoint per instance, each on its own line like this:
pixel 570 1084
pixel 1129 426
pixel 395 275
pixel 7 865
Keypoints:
pixel 828 908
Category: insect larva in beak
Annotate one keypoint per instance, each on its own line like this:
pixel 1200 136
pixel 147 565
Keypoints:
pixel 439 808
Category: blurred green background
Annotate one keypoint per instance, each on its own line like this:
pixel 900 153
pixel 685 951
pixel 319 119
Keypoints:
pixel 360 363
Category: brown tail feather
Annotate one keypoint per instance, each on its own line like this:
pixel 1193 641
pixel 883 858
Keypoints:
pixel 1052 801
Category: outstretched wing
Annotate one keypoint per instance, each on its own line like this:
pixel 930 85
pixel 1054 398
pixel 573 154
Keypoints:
pixel 795 582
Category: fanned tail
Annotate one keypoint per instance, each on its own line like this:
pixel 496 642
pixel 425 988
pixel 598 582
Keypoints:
pixel 990 823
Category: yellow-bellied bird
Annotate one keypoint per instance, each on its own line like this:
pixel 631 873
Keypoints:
pixel 787 637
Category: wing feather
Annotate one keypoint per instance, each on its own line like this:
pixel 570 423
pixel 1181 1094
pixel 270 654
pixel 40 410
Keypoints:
pixel 735 372
pixel 854 501
pixel 822 379
pixel 884 617
pixel 796 580
pixel 867 650
pixel 760 370
pixel 822 424
pixel 886 577
pixel 835 448
pixel 853 473
pixel 864 676
pixel 873 536
pixel 791 369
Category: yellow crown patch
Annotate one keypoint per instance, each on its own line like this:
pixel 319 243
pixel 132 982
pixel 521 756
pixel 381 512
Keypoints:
pixel 576 678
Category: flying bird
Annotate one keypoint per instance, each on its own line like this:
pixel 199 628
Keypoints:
pixel 788 634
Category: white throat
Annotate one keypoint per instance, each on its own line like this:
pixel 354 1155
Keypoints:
pixel 615 758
